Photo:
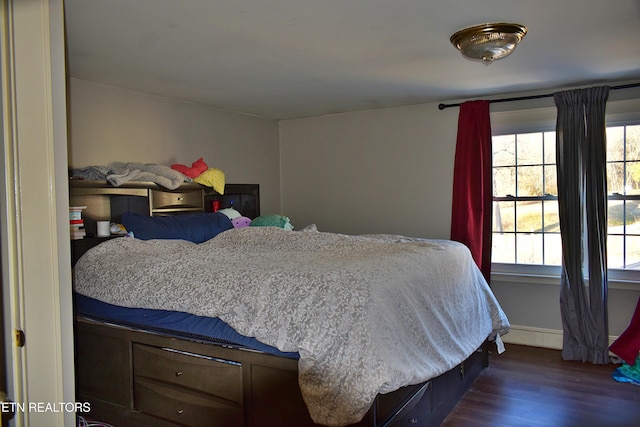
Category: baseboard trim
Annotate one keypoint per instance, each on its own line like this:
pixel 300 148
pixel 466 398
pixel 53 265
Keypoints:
pixel 537 337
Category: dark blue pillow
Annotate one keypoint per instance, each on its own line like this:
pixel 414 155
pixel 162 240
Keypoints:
pixel 195 227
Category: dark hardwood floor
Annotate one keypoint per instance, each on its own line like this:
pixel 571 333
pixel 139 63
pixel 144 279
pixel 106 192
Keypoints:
pixel 534 387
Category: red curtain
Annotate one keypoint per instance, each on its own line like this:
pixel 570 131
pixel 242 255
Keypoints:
pixel 472 183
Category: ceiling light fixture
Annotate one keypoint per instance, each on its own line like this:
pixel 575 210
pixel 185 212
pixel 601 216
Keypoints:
pixel 488 42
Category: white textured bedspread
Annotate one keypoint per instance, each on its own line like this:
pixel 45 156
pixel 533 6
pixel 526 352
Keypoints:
pixel 367 314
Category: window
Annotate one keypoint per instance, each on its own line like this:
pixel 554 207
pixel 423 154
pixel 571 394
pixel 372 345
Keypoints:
pixel 526 225
pixel 623 188
pixel 525 210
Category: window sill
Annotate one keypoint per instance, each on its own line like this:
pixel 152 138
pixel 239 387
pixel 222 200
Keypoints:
pixel 535 279
pixel 553 280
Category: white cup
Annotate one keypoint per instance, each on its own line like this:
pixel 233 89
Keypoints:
pixel 103 229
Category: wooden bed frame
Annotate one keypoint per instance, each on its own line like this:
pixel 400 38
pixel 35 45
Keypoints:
pixel 132 377
pixel 136 378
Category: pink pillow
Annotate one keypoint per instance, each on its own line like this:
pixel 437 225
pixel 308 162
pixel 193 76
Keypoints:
pixel 196 168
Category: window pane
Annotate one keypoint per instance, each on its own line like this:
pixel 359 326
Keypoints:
pixel 551 218
pixel 550 147
pixel 550 180
pixel 529 148
pixel 632 217
pixel 552 249
pixel 504 150
pixel 615 178
pixel 615 251
pixel 633 253
pixel 529 217
pixel 621 213
pixel 530 181
pixel 529 248
pixel 632 185
pixel 615 143
pixel 633 142
pixel 504 181
pixel 615 217
pixel 503 248
pixel 503 217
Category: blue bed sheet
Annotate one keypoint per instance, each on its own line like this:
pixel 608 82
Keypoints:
pixel 171 322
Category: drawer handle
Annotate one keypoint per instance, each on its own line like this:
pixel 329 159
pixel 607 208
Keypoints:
pixel 180 411
pixel 180 199
pixel 179 374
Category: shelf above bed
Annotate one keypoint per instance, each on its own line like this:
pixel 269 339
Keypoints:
pixel 106 202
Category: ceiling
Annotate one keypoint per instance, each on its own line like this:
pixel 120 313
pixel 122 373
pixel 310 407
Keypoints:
pixel 286 59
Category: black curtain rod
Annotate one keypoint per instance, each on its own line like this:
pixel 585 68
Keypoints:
pixel 524 98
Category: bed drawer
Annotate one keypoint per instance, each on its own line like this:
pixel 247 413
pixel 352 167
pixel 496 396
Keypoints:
pixel 176 200
pixel 213 376
pixel 183 406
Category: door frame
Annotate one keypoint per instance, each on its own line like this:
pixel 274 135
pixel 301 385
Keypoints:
pixel 36 272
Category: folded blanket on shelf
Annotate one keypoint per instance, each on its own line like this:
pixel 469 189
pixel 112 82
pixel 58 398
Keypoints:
pixel 95 173
pixel 125 172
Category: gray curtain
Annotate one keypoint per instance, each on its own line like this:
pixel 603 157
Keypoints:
pixel 582 200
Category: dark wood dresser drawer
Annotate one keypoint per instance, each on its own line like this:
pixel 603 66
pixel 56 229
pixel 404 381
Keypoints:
pixel 180 200
pixel 213 376
pixel 410 399
pixel 185 407
pixel 185 387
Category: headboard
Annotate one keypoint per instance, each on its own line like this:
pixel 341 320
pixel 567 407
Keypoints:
pixel 105 202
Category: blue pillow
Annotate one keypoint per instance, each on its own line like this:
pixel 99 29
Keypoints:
pixel 196 227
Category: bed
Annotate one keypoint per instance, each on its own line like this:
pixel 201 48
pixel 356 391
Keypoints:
pixel 263 326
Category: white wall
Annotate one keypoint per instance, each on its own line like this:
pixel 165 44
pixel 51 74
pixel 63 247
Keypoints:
pixel 110 124
pixel 390 171
pixel 378 171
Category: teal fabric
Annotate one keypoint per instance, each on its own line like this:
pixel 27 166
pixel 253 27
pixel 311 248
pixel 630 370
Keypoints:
pixel 271 221
pixel 628 373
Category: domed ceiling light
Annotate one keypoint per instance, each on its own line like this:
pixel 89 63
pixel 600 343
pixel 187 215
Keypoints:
pixel 488 42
